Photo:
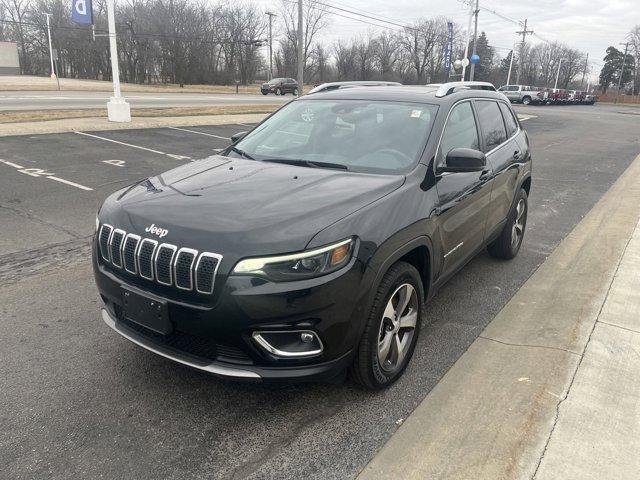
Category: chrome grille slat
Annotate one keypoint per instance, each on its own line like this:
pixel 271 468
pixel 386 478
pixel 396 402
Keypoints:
pixel 104 239
pixel 115 247
pixel 206 270
pixel 145 257
pixel 165 263
pixel 182 268
pixel 129 252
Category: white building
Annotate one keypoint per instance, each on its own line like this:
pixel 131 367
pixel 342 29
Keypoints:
pixel 9 60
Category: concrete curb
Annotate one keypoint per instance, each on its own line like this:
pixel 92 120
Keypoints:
pixel 491 416
pixel 90 124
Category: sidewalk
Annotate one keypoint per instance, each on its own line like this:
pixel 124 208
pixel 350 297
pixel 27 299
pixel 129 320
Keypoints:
pixel 551 388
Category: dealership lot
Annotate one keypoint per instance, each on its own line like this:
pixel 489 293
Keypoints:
pixel 76 400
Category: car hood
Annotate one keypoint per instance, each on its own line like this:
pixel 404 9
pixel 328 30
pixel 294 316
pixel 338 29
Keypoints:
pixel 242 207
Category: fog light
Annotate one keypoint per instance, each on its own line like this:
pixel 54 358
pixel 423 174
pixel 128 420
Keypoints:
pixel 289 344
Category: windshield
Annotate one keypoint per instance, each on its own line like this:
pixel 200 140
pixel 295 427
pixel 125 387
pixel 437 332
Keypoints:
pixel 275 80
pixel 361 135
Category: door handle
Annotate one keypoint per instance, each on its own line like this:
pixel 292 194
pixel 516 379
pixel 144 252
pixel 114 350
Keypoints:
pixel 485 173
pixel 517 155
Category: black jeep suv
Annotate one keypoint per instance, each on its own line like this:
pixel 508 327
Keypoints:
pixel 309 247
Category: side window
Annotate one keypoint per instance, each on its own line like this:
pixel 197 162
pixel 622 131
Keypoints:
pixel 491 123
pixel 460 131
pixel 510 122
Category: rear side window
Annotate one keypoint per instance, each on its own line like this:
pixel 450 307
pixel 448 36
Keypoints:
pixel 509 120
pixel 460 131
pixel 491 123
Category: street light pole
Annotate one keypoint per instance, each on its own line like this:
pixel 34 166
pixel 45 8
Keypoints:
pixel 513 53
pixel 271 15
pixel 300 50
pixel 558 74
pixel 475 39
pixel 117 107
pixel 53 73
pixel 465 60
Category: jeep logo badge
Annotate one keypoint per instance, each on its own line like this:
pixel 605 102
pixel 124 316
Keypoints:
pixel 161 232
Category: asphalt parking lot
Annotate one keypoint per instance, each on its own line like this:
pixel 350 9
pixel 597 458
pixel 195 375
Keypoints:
pixel 78 401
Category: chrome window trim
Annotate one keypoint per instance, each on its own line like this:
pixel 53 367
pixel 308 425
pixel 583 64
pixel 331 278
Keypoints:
pixel 124 234
pixel 152 259
pixel 173 249
pixel 260 340
pixel 215 271
pixel 135 253
pixel 108 258
pixel 175 262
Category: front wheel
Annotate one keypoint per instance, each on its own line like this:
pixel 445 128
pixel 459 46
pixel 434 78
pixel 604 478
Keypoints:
pixel 508 244
pixel 391 332
pixel 295 92
pixel 279 91
pixel 264 93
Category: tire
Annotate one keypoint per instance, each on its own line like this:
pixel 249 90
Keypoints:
pixel 295 92
pixel 265 93
pixel 367 369
pixel 507 245
pixel 526 100
pixel 279 91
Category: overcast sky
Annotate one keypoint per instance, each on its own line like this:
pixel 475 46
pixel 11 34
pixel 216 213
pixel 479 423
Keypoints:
pixel 588 25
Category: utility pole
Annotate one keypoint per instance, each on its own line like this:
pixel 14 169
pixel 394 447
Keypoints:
pixel 475 39
pixel 117 107
pixel 300 50
pixel 271 15
pixel 53 73
pixel 584 72
pixel 624 59
pixel 513 54
pixel 465 60
pixel 558 74
pixel 524 32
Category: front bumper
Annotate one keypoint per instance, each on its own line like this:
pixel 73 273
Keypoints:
pixel 318 372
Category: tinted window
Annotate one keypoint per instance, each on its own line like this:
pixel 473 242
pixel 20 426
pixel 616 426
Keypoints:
pixel 460 131
pixel 491 123
pixel 368 136
pixel 509 121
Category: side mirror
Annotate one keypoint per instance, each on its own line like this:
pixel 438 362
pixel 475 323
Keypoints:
pixel 236 137
pixel 464 160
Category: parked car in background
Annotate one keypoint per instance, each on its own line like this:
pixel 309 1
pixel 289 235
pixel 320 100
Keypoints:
pixel 524 94
pixel 280 86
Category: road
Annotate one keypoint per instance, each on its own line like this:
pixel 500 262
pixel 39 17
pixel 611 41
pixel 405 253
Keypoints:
pixel 83 100
pixel 78 401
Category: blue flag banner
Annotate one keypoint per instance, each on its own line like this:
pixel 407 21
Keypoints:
pixel 446 66
pixel 82 12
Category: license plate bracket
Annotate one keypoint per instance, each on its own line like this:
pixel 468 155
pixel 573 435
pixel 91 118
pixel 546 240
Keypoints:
pixel 151 313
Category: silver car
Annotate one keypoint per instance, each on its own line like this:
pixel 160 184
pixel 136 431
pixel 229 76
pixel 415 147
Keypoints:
pixel 524 94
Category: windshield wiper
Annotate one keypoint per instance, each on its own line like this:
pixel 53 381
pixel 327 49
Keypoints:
pixel 241 152
pixel 307 163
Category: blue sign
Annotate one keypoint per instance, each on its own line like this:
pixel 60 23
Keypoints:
pixel 82 12
pixel 448 48
pixel 475 59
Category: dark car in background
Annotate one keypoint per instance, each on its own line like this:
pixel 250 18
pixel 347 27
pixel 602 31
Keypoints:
pixel 280 86
pixel 309 247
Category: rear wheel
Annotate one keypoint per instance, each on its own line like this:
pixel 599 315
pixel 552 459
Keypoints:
pixel 526 100
pixel 295 92
pixel 508 243
pixel 391 332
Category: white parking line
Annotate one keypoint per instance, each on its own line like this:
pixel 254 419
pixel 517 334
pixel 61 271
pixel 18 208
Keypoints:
pixel 522 118
pixel 40 173
pixel 199 133
pixel 177 157
pixel 245 124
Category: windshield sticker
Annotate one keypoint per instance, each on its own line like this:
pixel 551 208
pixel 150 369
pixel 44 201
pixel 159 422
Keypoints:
pixel 416 113
pixel 307 115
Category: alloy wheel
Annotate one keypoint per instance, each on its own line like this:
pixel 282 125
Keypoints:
pixel 517 230
pixel 397 327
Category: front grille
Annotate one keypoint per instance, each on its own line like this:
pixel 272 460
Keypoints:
pixel 164 263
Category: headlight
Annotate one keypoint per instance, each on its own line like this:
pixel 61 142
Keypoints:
pixel 298 266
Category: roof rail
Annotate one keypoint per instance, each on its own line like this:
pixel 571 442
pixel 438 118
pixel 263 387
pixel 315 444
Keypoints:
pixel 445 89
pixel 364 83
